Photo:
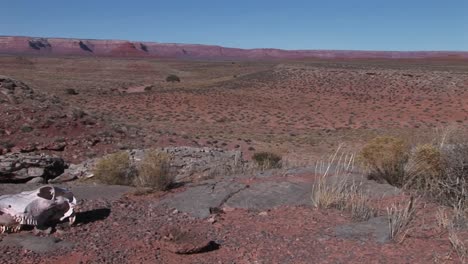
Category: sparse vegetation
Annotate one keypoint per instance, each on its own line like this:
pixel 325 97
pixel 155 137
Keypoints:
pixel 337 191
pixel 26 129
pixel 384 158
pixel 399 219
pixel 154 171
pixel 71 91
pixel 267 160
pixel 114 169
pixel 172 78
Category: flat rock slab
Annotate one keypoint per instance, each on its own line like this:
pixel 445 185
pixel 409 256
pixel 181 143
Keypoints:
pixel 267 195
pixel 81 191
pixel 198 200
pixel 376 228
pixel 35 243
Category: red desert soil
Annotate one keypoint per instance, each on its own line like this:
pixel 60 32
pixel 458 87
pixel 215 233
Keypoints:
pixel 297 108
pixel 141 229
pixel 300 109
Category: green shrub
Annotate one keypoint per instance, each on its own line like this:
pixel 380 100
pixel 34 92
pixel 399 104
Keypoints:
pixel 114 169
pixel 154 171
pixel 267 160
pixel 172 78
pixel 385 159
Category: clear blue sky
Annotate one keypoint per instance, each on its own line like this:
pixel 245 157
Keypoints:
pixel 324 24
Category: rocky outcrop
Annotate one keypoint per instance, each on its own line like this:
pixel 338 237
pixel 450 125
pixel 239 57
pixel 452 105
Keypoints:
pixel 21 167
pixel 13 91
pixel 186 163
pixel 197 163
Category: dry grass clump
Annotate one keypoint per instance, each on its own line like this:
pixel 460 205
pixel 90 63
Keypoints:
pixel 154 171
pixel 399 219
pixel 267 160
pixel 424 168
pixel 385 159
pixel 454 222
pixel 114 169
pixel 458 245
pixel 337 192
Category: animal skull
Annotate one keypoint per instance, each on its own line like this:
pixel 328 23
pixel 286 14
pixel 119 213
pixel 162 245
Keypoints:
pixel 39 207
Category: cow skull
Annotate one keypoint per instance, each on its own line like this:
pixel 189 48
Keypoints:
pixel 40 207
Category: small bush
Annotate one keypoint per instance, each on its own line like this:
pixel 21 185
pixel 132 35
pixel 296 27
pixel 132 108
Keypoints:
pixel 172 78
pixel 114 169
pixel 267 160
pixel 154 171
pixel 71 91
pixel 452 186
pixel 26 129
pixel 425 168
pixel 385 159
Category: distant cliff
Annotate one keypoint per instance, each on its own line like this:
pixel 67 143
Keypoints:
pixel 121 48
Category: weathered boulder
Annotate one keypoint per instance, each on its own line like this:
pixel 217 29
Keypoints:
pixel 23 167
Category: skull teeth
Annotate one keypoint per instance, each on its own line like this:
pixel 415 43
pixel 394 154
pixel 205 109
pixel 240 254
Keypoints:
pixel 10 229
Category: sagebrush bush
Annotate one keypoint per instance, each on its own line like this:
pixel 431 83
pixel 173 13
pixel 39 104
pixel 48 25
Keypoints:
pixel 453 185
pixel 267 160
pixel 154 171
pixel 385 159
pixel 424 168
pixel 114 169
pixel 172 78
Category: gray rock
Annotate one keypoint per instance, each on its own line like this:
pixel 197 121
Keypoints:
pixel 35 243
pixel 36 180
pixel 376 228
pixel 271 194
pixel 36 172
pixel 21 167
pixel 198 200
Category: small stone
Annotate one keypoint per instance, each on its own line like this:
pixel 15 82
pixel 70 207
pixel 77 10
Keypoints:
pixel 35 172
pixel 36 180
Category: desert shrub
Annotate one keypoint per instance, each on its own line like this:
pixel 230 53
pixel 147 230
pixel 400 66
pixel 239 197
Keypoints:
pixel 154 171
pixel 452 186
pixel 425 168
pixel 172 78
pixel 385 159
pixel 267 160
pixel 114 169
pixel 71 91
pixel 26 129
